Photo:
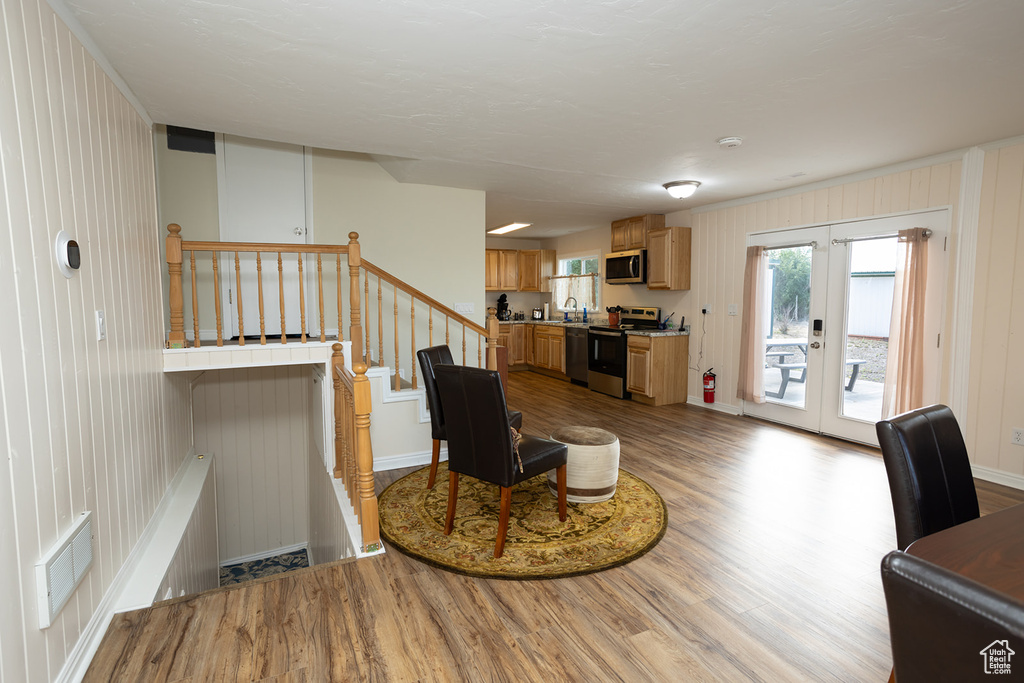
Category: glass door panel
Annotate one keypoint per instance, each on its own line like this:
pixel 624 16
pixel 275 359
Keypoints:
pixel 788 305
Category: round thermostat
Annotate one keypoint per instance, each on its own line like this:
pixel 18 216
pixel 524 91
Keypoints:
pixel 69 256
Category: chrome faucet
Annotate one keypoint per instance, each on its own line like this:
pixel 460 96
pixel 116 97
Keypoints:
pixel 575 308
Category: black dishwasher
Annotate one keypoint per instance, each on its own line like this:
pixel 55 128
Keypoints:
pixel 576 354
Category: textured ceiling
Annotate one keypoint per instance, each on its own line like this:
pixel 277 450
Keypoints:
pixel 571 113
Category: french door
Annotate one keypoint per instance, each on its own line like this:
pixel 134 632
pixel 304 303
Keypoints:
pixel 828 311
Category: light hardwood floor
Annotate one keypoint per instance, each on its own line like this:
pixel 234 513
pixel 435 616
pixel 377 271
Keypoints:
pixel 768 572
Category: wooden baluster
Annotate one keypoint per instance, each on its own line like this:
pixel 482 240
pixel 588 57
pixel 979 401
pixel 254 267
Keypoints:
pixel 366 286
pixel 337 363
pixel 349 475
pixel 302 301
pixel 447 341
pixel 216 300
pixel 259 283
pixel 176 338
pixel 355 262
pixel 195 299
pixel 380 324
pixel 280 296
pixel 492 339
pixel 320 284
pixel 463 344
pixel 479 350
pixel 238 300
pixel 398 379
pixel 412 337
pixel 367 507
pixel 430 325
pixel 341 325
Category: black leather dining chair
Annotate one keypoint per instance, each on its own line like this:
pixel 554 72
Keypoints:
pixel 930 476
pixel 946 627
pixel 429 358
pixel 480 443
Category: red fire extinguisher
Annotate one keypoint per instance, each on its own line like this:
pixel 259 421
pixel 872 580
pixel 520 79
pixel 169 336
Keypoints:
pixel 709 386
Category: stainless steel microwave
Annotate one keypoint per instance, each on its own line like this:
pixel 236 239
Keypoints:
pixel 626 267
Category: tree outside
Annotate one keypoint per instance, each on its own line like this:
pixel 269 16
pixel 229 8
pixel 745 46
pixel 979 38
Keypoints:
pixel 791 290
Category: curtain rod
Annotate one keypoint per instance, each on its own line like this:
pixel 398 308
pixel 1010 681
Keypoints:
pixel 847 240
pixel 561 277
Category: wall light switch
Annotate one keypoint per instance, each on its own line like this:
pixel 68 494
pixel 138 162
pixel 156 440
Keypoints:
pixel 465 307
pixel 101 326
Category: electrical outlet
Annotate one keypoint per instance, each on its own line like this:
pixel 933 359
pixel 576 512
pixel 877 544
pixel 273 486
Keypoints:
pixel 734 309
pixel 705 309
pixel 1017 436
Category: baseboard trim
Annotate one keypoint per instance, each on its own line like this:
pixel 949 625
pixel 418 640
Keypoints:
pixel 397 462
pixel 270 553
pixel 698 402
pixel 998 476
pixel 88 642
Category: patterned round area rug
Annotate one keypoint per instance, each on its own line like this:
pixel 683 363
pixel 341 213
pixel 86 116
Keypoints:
pixel 594 537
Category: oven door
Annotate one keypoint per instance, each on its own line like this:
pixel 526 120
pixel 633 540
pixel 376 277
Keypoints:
pixel 607 352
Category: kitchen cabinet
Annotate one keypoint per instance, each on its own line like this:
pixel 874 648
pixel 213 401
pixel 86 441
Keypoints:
pixel 657 368
pixel 631 233
pixel 536 266
pixel 528 343
pixel 668 258
pixel 517 352
pixel 492 280
pixel 505 337
pixel 549 347
pixel 512 270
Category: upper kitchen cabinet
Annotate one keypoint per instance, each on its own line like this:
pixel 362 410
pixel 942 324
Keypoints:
pixel 668 258
pixel 631 233
pixel 501 270
pixel 536 266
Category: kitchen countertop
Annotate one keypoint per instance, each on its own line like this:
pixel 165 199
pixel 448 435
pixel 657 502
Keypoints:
pixel 602 323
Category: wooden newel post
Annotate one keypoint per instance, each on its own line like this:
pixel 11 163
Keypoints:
pixel 337 363
pixel 355 261
pixel 176 339
pixel 492 339
pixel 367 507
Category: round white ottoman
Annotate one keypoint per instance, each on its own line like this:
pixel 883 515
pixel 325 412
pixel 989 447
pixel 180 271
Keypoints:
pixel 592 470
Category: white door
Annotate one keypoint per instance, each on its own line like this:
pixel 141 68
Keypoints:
pixel 860 292
pixel 825 359
pixel 797 281
pixel 263 198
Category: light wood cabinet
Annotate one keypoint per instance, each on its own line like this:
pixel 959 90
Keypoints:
pixel 631 233
pixel 549 347
pixel 657 368
pixel 528 343
pixel 492 280
pixel 536 266
pixel 517 353
pixel 511 270
pixel 668 258
pixel 505 336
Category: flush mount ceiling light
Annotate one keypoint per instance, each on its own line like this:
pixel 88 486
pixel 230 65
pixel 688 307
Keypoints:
pixel 681 189
pixel 508 228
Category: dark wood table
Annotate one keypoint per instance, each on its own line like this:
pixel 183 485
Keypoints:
pixel 989 550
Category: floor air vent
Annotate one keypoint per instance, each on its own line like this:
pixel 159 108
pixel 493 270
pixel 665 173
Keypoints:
pixel 61 570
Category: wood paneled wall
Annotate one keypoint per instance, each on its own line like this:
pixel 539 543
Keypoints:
pixel 256 423
pixel 88 425
pixel 195 567
pixel 996 394
pixel 719 244
pixel 328 534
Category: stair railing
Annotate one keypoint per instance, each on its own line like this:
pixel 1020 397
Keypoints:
pixel 353 451
pixel 470 339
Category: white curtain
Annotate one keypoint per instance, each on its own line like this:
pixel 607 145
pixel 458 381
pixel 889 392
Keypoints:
pixel 904 368
pixel 753 333
pixel 582 287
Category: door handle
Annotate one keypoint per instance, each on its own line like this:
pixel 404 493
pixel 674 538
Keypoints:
pixel 815 345
pixel 298 231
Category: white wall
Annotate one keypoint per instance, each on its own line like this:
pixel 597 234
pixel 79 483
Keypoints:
pixel 256 422
pixel 194 567
pixel 88 425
